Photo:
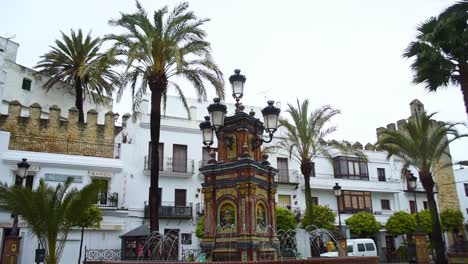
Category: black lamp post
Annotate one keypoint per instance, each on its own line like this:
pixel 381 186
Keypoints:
pixel 21 173
pixel 337 191
pixel 413 184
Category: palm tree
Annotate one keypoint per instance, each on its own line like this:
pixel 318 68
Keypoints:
pixel 441 51
pixel 304 140
pixel 77 61
pixel 50 212
pixel 156 50
pixel 423 144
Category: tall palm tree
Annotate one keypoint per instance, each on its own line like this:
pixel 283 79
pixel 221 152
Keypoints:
pixel 304 140
pixel 76 60
pixel 157 49
pixel 50 212
pixel 423 144
pixel 441 51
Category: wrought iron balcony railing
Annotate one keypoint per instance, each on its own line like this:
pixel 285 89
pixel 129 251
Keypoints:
pixel 287 176
pixel 108 201
pixel 170 164
pixel 169 210
pixel 63 146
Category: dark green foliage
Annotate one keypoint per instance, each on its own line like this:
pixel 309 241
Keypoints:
pixel 285 219
pixel 77 61
pixel 50 212
pixel 401 223
pixel 363 224
pixel 424 145
pixel 156 49
pixel 324 218
pixel 441 50
pixel 304 140
pixel 451 220
pixel 426 221
pixel 200 227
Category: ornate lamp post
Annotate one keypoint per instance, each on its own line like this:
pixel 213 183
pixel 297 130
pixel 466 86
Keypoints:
pixel 337 191
pixel 420 245
pixel 21 173
pixel 239 187
pixel 413 181
pixel 11 243
pixel 341 236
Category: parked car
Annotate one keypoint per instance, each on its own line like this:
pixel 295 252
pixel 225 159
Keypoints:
pixel 356 247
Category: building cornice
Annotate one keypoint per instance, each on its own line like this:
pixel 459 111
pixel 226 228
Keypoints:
pixel 39 159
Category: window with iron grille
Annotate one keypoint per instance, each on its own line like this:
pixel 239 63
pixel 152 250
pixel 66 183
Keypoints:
pixel 425 205
pixel 466 189
pixel 186 238
pixel 26 84
pixel 381 174
pixel 350 168
pixel 385 204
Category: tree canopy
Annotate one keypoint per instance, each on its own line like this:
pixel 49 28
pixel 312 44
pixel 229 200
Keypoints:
pixel 324 218
pixel 77 60
pixel 451 220
pixel 50 212
pixel 285 219
pixel 363 224
pixel 401 223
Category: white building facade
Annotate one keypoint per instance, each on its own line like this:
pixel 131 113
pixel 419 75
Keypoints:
pixel 375 185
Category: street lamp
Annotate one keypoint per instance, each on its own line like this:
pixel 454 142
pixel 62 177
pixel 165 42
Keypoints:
pixel 21 173
pixel 337 191
pixel 207 132
pixel 413 184
pixel 237 83
pixel 218 111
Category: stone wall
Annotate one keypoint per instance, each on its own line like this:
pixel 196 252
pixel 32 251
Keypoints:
pixel 59 135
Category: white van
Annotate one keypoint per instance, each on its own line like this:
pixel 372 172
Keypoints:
pixel 356 247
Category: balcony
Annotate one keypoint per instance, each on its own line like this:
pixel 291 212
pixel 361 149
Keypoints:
pixel 108 201
pixel 172 167
pixel 169 210
pixel 63 146
pixel 287 177
pixel 355 210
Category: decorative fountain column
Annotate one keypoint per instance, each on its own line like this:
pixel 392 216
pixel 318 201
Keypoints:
pixel 239 189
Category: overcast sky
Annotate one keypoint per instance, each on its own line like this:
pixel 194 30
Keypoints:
pixel 343 53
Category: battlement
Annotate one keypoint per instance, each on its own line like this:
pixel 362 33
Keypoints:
pixel 58 135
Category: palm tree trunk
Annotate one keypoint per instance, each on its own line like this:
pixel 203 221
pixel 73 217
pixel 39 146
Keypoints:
pixel 81 244
pixel 79 99
pixel 464 83
pixel 52 243
pixel 157 87
pixel 436 235
pixel 306 169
